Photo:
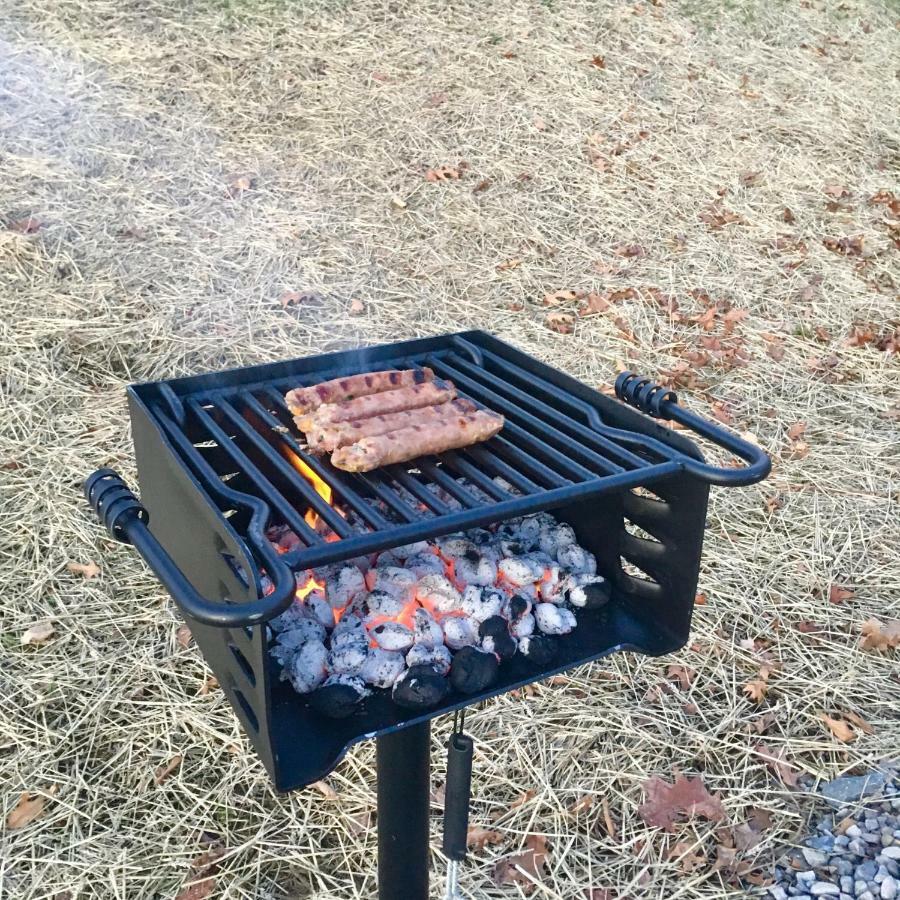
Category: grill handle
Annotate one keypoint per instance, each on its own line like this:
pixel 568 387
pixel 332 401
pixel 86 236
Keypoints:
pixel 662 403
pixel 126 520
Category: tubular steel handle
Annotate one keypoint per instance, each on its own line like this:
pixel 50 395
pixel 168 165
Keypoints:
pixel 655 400
pixel 457 795
pixel 126 520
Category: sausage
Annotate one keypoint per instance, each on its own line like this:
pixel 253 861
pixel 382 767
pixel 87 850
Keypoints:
pixel 301 401
pixel 417 440
pixel 428 394
pixel 326 438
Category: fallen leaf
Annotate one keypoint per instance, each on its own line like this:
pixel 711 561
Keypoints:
pixel 360 823
pixel 732 318
pixel 325 789
pixel 37 633
pixel 666 802
pixel 563 323
pixel 773 503
pixel 717 216
pixel 775 350
pixel 787 216
pixel 687 855
pixel 89 569
pixel 838 594
pixel 525 869
pixel 442 173
pixel 807 627
pixel 598 62
pixel 582 804
pixel 881 636
pixel 846 246
pixel 29 806
pixel 799 450
pixel 28 225
pixel 608 821
pixel 478 838
pixel 210 684
pixel 775 760
pixel 629 250
pixel 839 729
pixel 700 600
pixel 237 184
pixel 438 98
pixel 357 307
pixel 749 179
pixel 164 772
pixel 295 298
pixel 508 265
pixel 859 722
pixel 756 689
pixel 796 431
pixel 558 297
pixel 684 675
pixel 482 185
pixel 836 190
pixel 183 636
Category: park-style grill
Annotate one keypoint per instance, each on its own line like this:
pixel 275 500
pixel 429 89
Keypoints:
pixel 238 520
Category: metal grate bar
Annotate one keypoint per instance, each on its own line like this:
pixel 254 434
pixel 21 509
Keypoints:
pixel 454 461
pixel 502 447
pixel 333 476
pixel 491 462
pixel 586 434
pixel 415 487
pixel 493 400
pixel 449 484
pixel 271 493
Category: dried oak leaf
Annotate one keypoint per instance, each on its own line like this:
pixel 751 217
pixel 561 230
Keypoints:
pixel 686 796
pixel 684 675
pixel 717 216
pixel 482 185
pixel 326 790
pixel 28 225
pixel 88 570
pixel 183 636
pixel 881 636
pixel 525 869
pixel 598 62
pixel 37 633
pixel 756 689
pixel 732 318
pixel 558 297
pixel 442 173
pixel 836 190
pixel 775 760
pixel 629 251
pixel 688 856
pixel 563 323
pixel 29 806
pixel 296 298
pixel 478 838
pixel 788 216
pixel 237 184
pixel 839 729
pixel 837 594
pixel 509 264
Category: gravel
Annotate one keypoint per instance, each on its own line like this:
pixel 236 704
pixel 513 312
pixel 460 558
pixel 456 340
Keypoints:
pixel 854 850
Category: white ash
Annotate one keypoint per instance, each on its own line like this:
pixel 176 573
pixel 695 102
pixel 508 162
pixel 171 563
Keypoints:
pixel 377 605
pixel 392 636
pixel 550 588
pixel 523 626
pixel 426 630
pixel 343 586
pixel 439 657
pixel 422 564
pixel 553 619
pixel 349 628
pixel 519 571
pixel 577 560
pixel 382 667
pixel 414 549
pixel 348 657
pixel 351 681
pixel 289 641
pixel 575 585
pixel 480 603
pixel 555 536
pixel 307 667
pixel 318 608
pixel 387 559
pixel 292 618
pixel 459 631
pixel 455 547
pixel 393 580
pixel 437 591
pixel 475 569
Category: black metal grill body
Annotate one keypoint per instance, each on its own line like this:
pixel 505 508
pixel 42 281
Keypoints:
pixel 217 463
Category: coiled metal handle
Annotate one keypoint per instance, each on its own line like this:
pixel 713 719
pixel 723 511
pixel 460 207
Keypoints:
pixel 655 400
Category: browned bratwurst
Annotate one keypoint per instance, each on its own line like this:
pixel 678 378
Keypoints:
pixel 428 394
pixel 304 400
pixel 325 438
pixel 417 440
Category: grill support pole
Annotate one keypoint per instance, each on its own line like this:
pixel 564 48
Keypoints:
pixel 404 797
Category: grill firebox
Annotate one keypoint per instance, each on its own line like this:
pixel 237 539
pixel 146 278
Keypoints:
pixel 220 461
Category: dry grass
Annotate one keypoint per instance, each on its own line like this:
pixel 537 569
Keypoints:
pixel 121 125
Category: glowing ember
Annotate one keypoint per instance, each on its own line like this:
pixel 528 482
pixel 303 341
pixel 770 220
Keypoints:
pixel 322 488
pixel 308 588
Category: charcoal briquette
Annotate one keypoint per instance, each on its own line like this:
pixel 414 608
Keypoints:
pixel 420 688
pixel 538 649
pixel 495 637
pixel 338 697
pixel 473 670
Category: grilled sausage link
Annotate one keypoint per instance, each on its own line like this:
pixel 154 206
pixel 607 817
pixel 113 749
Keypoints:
pixel 325 438
pixel 428 394
pixel 304 400
pixel 417 440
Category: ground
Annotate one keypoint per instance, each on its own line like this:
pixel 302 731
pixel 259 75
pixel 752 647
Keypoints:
pixel 192 186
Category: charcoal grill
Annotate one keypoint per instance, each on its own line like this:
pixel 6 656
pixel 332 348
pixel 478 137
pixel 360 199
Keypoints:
pixel 219 461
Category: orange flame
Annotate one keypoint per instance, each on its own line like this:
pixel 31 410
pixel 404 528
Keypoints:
pixel 308 588
pixel 322 488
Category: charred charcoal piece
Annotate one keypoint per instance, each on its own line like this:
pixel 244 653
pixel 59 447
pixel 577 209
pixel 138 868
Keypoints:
pixel 577 560
pixel 517 607
pixel 347 657
pixel 459 632
pixel 475 569
pixel 349 628
pixel 426 630
pixel 377 605
pixel 409 550
pixel 437 591
pixel 519 571
pixel 306 670
pixel 555 536
pixel 319 609
pixel 538 649
pixel 392 636
pixel 552 619
pixel 473 670
pixel 400 583
pixel 422 564
pixel 495 637
pixel 344 586
pixel 382 667
pixel 589 592
pixel 420 687
pixel 523 626
pixel 455 546
pixel 338 697
pixel 438 657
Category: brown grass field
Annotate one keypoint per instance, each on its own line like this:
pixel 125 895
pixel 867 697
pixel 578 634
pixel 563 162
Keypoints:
pixel 190 186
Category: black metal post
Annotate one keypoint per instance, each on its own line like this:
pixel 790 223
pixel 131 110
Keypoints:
pixel 404 796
